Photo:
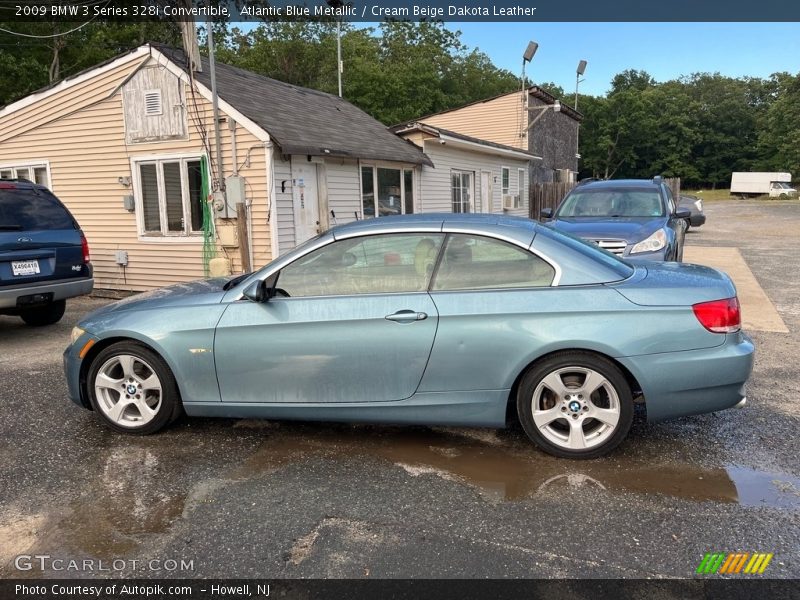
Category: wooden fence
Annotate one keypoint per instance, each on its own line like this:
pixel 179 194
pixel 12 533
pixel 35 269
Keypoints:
pixel 674 184
pixel 547 195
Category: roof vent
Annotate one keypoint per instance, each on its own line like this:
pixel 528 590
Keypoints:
pixel 152 102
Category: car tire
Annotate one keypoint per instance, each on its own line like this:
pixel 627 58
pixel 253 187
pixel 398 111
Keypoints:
pixel 558 414
pixel 133 389
pixel 44 315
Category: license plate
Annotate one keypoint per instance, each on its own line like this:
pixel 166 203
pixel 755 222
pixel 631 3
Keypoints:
pixel 25 267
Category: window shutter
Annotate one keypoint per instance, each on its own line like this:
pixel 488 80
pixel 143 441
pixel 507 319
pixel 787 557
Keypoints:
pixel 152 102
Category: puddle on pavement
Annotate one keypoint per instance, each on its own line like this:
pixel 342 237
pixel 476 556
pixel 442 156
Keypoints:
pixel 108 521
pixel 512 471
pixel 133 498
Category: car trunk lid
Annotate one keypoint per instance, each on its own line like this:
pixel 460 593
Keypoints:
pixel 675 284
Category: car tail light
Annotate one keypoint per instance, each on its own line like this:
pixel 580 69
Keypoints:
pixel 719 316
pixel 85 248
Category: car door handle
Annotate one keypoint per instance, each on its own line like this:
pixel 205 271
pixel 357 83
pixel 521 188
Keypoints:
pixel 406 316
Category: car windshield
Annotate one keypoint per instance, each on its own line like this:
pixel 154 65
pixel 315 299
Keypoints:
pixel 29 210
pixel 592 204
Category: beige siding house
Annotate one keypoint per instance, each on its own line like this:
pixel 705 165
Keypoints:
pixel 531 120
pixel 128 146
pixel 502 119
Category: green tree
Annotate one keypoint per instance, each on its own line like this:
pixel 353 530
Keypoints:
pixel 779 135
pixel 30 63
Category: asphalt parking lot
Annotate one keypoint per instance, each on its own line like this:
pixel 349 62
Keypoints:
pixel 292 500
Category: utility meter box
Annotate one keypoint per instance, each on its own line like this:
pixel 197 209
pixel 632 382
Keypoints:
pixel 234 193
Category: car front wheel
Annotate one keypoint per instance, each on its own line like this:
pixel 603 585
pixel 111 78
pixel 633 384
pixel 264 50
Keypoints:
pixel 575 405
pixel 133 389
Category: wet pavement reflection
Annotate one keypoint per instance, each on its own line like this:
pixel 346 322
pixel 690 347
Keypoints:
pixel 141 489
pixel 512 470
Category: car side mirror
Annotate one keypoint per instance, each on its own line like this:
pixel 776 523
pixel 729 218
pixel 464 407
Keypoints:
pixel 683 213
pixel 546 213
pixel 256 291
pixel 261 290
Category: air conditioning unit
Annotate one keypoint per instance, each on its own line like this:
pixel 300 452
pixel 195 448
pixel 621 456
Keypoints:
pixel 511 201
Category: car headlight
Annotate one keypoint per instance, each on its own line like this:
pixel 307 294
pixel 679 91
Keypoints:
pixel 77 332
pixel 698 205
pixel 655 242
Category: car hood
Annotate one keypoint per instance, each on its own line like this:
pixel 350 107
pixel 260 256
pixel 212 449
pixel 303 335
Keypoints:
pixel 612 228
pixel 204 291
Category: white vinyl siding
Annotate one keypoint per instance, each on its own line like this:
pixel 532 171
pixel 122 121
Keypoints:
pixel 435 183
pixel 284 203
pixel 343 191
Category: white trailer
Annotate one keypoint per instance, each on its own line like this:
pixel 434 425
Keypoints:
pixel 776 185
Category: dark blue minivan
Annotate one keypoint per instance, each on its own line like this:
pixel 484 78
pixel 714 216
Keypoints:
pixel 44 256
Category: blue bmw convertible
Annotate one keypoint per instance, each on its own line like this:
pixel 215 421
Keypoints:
pixel 446 319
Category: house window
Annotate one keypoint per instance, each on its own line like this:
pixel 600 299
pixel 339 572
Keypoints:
pixel 521 187
pixel 461 190
pixel 169 196
pixel 36 172
pixel 506 179
pixel 386 191
pixel 152 103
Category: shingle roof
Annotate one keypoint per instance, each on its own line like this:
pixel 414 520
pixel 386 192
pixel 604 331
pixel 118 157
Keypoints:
pixel 302 120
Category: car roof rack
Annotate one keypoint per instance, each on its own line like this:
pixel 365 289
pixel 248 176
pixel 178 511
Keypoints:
pixel 589 180
pixel 17 179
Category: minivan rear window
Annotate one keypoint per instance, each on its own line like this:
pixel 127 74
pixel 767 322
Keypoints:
pixel 29 210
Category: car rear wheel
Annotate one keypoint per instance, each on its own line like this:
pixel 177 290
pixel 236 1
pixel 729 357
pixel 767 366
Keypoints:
pixel 133 389
pixel 575 405
pixel 44 315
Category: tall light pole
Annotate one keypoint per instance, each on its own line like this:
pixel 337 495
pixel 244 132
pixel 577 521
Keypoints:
pixel 527 56
pixel 336 5
pixel 578 72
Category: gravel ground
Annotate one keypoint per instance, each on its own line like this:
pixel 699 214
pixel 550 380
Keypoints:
pixel 266 499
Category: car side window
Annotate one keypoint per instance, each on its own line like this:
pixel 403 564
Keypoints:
pixel 670 201
pixel 472 262
pixel 377 264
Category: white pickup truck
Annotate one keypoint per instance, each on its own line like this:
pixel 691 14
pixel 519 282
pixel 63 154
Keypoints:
pixel 776 185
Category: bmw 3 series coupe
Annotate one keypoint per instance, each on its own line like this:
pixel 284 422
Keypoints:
pixel 445 319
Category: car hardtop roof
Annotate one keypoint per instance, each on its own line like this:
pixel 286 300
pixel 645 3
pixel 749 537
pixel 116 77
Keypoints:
pixel 604 184
pixel 23 184
pixel 429 219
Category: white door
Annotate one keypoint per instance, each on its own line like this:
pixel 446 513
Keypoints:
pixel 306 200
pixel 487 199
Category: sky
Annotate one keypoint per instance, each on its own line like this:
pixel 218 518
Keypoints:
pixel 665 50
